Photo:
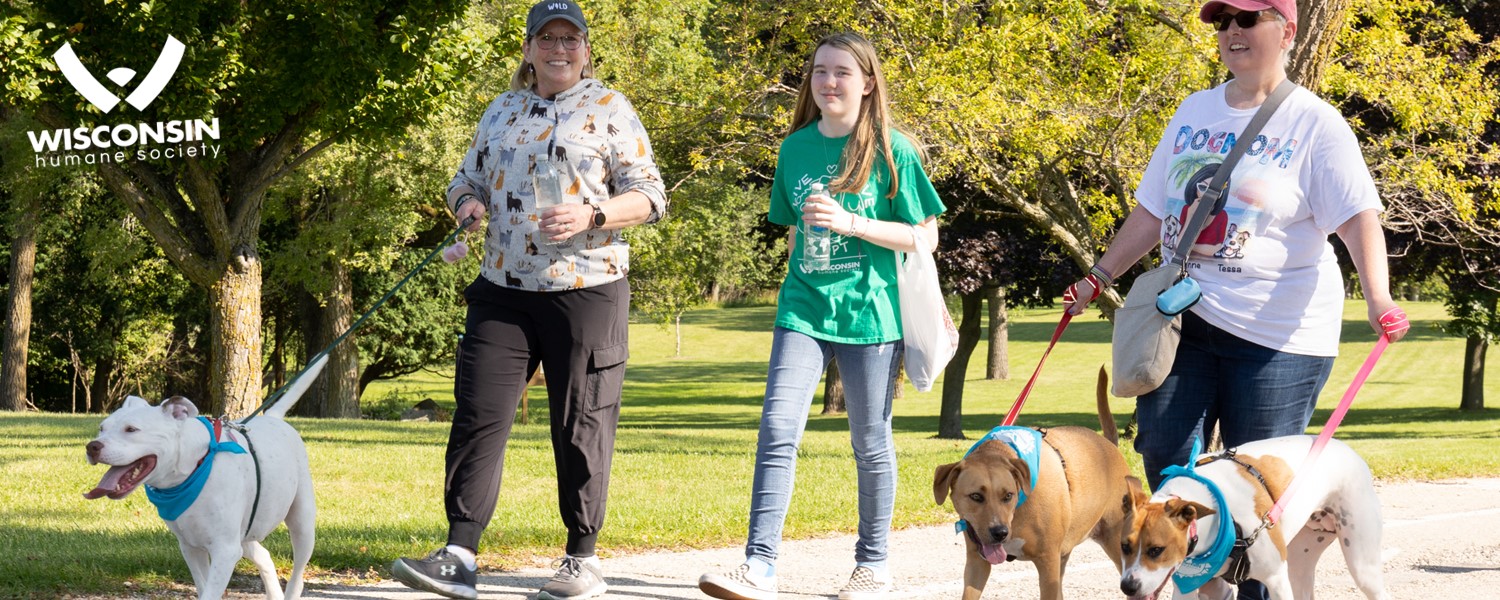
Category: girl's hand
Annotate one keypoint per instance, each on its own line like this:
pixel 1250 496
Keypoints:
pixel 823 211
pixel 1390 320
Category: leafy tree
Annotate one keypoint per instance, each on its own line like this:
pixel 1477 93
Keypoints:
pixel 286 79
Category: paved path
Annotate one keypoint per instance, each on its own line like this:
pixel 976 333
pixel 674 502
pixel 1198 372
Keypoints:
pixel 1442 540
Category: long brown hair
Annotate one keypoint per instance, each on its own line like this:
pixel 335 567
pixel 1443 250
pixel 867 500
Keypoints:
pixel 873 129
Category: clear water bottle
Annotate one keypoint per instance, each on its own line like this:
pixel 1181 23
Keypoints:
pixel 546 180
pixel 817 246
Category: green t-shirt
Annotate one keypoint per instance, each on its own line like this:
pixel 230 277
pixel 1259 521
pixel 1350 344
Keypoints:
pixel 854 300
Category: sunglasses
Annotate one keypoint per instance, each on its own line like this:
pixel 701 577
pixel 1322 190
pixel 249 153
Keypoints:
pixel 1245 19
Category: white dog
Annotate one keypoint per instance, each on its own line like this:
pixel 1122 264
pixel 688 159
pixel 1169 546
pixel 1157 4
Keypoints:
pixel 219 504
pixel 1171 532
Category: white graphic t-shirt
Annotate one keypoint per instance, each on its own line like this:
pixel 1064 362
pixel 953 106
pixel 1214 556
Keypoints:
pixel 1268 272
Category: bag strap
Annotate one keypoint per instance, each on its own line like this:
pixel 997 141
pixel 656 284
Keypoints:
pixel 1208 203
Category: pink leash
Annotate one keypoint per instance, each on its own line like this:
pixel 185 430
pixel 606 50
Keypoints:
pixel 1389 323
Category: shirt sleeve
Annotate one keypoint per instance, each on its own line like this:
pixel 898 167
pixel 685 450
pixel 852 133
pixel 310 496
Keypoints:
pixel 1151 194
pixel 916 198
pixel 781 211
pixel 1341 185
pixel 470 178
pixel 632 164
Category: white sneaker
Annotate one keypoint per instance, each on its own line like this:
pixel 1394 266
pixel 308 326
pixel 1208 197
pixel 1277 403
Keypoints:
pixel 864 585
pixel 738 584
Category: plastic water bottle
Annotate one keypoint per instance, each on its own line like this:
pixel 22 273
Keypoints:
pixel 546 180
pixel 817 247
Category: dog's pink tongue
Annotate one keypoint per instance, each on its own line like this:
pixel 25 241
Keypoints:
pixel 109 483
pixel 995 554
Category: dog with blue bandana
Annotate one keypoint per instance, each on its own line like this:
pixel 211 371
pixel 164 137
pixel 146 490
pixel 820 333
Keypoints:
pixel 1035 494
pixel 221 486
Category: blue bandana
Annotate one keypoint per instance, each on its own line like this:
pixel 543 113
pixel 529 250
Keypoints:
pixel 1027 443
pixel 172 502
pixel 1196 570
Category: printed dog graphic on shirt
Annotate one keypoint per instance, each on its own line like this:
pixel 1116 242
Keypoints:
pixel 1171 232
pixel 1234 248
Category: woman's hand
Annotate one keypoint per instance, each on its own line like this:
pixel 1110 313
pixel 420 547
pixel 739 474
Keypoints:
pixel 471 207
pixel 566 220
pixel 822 211
pixel 1389 319
pixel 1078 296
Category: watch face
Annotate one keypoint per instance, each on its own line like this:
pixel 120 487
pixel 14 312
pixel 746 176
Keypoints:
pixel 598 216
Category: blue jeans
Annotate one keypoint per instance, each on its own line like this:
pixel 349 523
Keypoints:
pixel 1250 391
pixel 869 373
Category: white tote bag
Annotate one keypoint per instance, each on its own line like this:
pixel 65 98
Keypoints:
pixel 927 328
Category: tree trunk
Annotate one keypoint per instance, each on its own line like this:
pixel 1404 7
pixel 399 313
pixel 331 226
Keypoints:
pixel 998 366
pixel 1473 391
pixel 1318 28
pixel 235 337
pixel 104 370
pixel 17 333
pixel 341 376
pixel 950 416
pixel 677 334
pixel 833 390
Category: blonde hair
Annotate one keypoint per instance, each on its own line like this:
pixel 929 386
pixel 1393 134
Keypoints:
pixel 874 127
pixel 525 76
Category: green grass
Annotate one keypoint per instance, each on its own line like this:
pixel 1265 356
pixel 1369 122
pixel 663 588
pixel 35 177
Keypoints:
pixel 683 461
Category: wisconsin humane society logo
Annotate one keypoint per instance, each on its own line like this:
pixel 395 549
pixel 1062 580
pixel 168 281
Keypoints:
pixel 102 144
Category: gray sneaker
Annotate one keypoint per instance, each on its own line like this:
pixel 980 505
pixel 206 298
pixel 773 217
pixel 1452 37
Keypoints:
pixel 738 585
pixel 863 585
pixel 574 580
pixel 440 573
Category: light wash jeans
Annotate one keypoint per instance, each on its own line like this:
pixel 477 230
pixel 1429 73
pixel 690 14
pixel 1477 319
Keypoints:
pixel 869 373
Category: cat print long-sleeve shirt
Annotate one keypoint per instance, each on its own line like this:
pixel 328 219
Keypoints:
pixel 594 136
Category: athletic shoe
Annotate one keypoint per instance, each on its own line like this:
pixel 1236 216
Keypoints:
pixel 574 580
pixel 441 573
pixel 863 585
pixel 738 584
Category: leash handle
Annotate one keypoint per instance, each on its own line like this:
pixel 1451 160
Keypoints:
pixel 1328 428
pixel 1015 409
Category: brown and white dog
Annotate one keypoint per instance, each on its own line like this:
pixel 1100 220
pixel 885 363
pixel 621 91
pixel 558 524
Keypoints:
pixel 1080 482
pixel 1334 501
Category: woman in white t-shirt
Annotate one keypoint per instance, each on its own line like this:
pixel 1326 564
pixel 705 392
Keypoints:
pixel 1258 347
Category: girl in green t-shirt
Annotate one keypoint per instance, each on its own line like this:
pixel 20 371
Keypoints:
pixel 844 306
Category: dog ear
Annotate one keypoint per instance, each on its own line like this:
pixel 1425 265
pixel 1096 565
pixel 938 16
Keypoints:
pixel 1022 473
pixel 1187 511
pixel 943 479
pixel 179 408
pixel 134 401
pixel 1134 497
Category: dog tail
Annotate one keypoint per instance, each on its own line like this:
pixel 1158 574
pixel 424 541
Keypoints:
pixel 297 388
pixel 1106 419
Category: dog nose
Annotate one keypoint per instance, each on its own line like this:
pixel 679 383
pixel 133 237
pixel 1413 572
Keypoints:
pixel 1131 586
pixel 94 448
pixel 999 533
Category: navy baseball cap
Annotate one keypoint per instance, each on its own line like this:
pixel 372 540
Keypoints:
pixel 545 11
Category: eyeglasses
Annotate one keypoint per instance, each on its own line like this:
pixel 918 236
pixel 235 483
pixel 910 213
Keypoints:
pixel 547 42
pixel 1245 19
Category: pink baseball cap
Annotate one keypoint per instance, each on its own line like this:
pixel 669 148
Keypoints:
pixel 1287 8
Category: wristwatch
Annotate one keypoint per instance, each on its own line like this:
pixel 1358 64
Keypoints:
pixel 598 217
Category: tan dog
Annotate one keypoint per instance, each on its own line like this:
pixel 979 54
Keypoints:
pixel 1080 484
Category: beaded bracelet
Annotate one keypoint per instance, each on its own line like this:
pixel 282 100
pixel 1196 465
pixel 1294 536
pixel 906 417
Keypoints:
pixel 1102 275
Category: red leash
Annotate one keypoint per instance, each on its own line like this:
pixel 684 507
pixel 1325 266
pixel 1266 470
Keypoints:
pixel 1390 322
pixel 1015 410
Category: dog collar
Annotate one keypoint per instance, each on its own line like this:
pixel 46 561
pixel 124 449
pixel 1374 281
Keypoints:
pixel 172 502
pixel 1196 570
pixel 1027 443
